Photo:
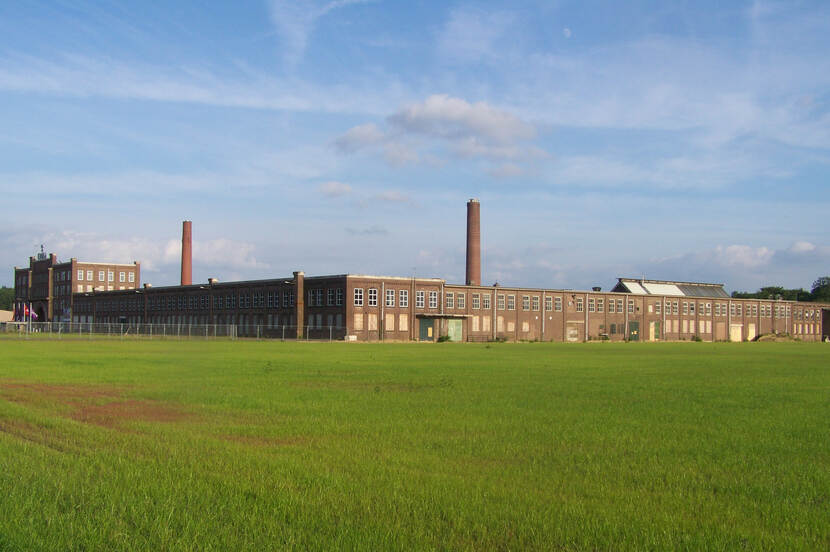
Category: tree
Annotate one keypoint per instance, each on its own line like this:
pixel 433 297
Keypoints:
pixel 6 298
pixel 821 290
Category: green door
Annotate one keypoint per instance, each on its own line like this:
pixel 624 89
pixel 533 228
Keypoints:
pixel 634 331
pixel 427 332
pixel 454 330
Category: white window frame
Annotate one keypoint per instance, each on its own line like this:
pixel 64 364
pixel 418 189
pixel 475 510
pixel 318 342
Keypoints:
pixel 390 297
pixel 403 298
pixel 433 299
pixel 358 297
pixel 372 299
pixel 419 299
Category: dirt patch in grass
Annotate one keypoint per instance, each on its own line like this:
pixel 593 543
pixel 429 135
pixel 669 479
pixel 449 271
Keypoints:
pixel 33 433
pixel 93 404
pixel 112 414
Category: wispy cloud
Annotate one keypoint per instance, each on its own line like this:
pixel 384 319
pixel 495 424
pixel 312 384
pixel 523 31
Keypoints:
pixel 295 22
pixel 334 188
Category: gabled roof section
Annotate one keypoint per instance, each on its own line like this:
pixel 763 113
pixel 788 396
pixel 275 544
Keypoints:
pixel 639 286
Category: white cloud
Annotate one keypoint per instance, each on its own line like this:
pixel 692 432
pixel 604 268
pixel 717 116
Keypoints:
pixel 472 34
pixel 446 117
pixel 566 32
pixel 359 137
pixel 334 188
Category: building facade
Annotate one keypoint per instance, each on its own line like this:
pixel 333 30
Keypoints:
pixel 49 287
pixel 385 308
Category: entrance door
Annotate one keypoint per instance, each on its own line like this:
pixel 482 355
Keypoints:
pixel 654 331
pixel 750 332
pixel 427 329
pixel 454 330
pixel 736 332
pixel 634 331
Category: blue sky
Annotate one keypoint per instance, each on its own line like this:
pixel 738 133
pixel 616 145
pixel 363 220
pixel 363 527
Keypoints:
pixel 668 140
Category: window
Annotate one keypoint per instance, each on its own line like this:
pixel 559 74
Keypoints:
pixel 557 304
pixel 685 308
pixel 511 302
pixel 592 307
pixel 740 309
pixel 80 275
pixel 390 297
pixel 630 306
pixel 476 301
pixel 450 301
pixel 548 303
pixel 338 297
pixel 403 298
pixel 100 275
pixel 674 307
pixel 131 276
pixel 657 306
pixel 122 277
pixel 525 302
pixel 461 301
pixel 611 308
pixel 732 309
pixel 485 301
pixel 500 302
pixel 291 299
pixel 708 308
pixel 613 326
pixel 358 297
pixel 330 297
pixel 535 300
pixel 717 309
pixel 318 296
pixel 89 275
pixel 419 299
pixel 433 299
pixel 580 306
pixel 373 297
pixel 110 276
pixel 600 305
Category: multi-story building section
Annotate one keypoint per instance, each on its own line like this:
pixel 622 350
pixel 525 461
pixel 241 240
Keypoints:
pixel 49 286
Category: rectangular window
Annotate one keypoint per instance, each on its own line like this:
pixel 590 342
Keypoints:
pixel 450 301
pixel 692 308
pixel 89 275
pixel 461 301
pixel 535 301
pixel 600 305
pixel 122 277
pixel 476 301
pixel 674 307
pixel 500 302
pixel 419 299
pixel 131 277
pixel 580 306
pixel 613 326
pixel 358 297
pixel 485 301
pixel 511 302
pixel 557 304
pixel 403 298
pixel 291 299
pixel 630 306
pixel 592 307
pixel 330 297
pixel 373 297
pixel 101 276
pixel 525 302
pixel 110 276
pixel 433 299
pixel 548 303
pixel 708 308
pixel 717 309
pixel 390 297
pixel 740 309
pixel 80 275
pixel 732 309
pixel 657 307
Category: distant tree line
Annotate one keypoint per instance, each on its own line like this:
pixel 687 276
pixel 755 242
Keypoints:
pixel 819 293
pixel 6 298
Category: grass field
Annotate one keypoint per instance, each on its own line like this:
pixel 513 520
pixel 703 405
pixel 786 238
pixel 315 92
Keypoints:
pixel 109 445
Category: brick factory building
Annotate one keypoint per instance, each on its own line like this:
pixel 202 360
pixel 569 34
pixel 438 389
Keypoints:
pixel 388 308
pixel 49 287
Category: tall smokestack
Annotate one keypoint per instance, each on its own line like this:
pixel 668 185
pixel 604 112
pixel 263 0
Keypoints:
pixel 187 253
pixel 473 243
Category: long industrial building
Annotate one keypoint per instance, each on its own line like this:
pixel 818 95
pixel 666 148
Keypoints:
pixel 387 308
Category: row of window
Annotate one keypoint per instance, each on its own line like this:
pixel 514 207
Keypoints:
pixel 334 297
pixel 109 274
pixel 402 296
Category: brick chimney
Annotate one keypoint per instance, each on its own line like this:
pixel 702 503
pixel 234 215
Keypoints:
pixel 473 243
pixel 187 253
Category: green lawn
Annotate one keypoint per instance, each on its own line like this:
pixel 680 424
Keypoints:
pixel 219 445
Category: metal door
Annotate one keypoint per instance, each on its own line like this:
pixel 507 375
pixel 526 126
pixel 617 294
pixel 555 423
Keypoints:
pixel 634 331
pixel 427 329
pixel 454 330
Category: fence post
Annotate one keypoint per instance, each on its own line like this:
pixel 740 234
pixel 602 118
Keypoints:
pixel 329 334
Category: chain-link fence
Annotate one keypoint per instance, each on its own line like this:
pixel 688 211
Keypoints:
pixel 88 330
